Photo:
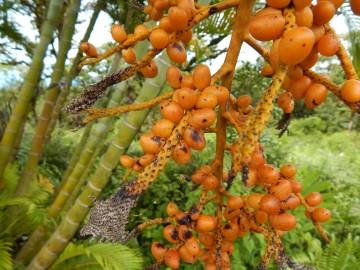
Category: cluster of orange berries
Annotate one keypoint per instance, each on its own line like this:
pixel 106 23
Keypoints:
pixel 193 237
pixel 177 19
pixel 299 48
pixel 193 234
pixel 193 93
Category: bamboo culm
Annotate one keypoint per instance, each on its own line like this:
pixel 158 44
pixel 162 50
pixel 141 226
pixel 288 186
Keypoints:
pixel 28 88
pixel 38 140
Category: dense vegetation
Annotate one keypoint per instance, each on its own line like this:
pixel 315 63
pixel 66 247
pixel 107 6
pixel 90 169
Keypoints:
pixel 322 143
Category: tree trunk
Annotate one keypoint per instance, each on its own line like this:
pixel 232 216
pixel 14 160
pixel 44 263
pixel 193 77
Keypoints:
pixel 73 71
pixel 28 88
pixel 73 218
pixel 38 140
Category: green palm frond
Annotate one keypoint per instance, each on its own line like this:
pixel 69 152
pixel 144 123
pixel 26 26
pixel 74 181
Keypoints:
pixel 99 256
pixel 6 262
pixel 339 256
pixel 217 24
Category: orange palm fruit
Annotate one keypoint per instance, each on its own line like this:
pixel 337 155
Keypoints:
pixel 323 12
pixel 118 33
pixel 283 222
pixel 170 233
pixel 158 251
pixel 192 246
pixel 350 91
pixel 150 70
pixel 269 174
pixel 206 100
pixel 221 92
pixel 321 215
pixel 172 111
pixel 159 39
pixel 288 170
pixel 163 128
pixel 243 101
pixel 230 231
pixel 281 190
pixel 173 76
pixel 88 49
pixel 178 18
pixel 299 4
pixel 355 6
pixel 235 202
pixel 185 97
pixel 315 95
pixel 146 159
pixel 188 81
pixel 328 45
pixel 206 223
pixel 201 76
pixel 172 258
pixel 127 161
pixel 165 24
pixel 295 45
pixel 186 36
pixel 299 88
pixel 172 209
pixel 151 143
pixel 181 153
pixel 304 17
pixel 286 102
pixel 186 256
pixel 129 55
pixel 202 118
pixel 268 26
pixel 194 138
pixel 176 52
pixel 210 182
pixel 278 3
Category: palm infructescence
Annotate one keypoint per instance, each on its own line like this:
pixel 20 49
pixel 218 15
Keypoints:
pixel 54 225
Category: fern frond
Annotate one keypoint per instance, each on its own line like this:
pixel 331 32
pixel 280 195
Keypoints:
pixel 6 262
pixel 116 256
pixel 339 256
pixel 99 256
pixel 11 178
pixel 29 214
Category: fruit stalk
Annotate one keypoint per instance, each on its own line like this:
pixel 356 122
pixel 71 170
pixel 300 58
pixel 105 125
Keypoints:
pixel 226 72
pixel 96 113
pixel 343 56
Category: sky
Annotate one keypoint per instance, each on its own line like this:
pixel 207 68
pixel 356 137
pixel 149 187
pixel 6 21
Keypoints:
pixel 101 35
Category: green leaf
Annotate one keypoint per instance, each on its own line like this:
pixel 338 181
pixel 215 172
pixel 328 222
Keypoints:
pixel 6 262
pixel 99 256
